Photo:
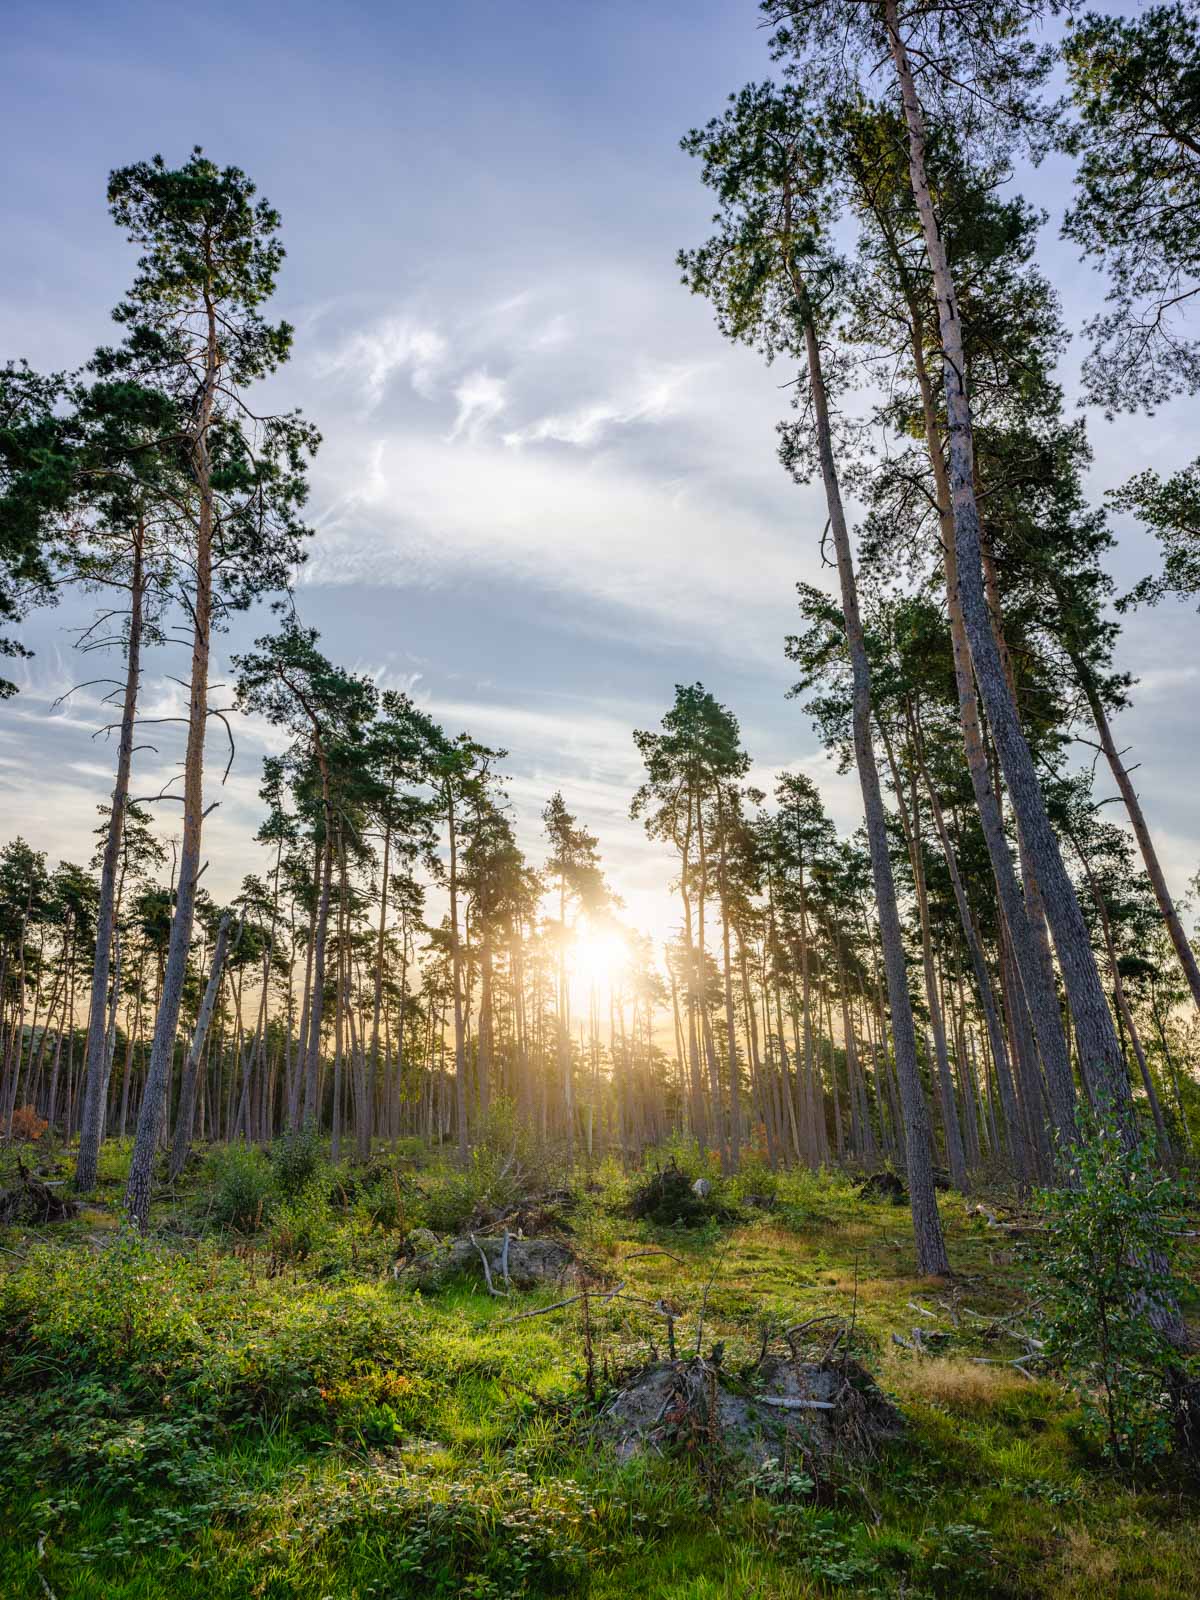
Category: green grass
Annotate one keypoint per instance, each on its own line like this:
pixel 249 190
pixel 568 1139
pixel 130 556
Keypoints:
pixel 269 1413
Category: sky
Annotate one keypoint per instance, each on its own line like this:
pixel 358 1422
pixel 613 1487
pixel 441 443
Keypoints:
pixel 548 489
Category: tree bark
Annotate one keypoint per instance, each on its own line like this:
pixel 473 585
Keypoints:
pixel 1100 1052
pixel 91 1131
pixel 460 1054
pixel 187 1091
pixel 162 1051
pixel 912 836
pixel 1154 871
pixel 1039 988
pixel 927 1227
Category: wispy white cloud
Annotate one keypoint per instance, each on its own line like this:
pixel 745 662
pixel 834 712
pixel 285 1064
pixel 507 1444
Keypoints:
pixel 373 356
pixel 552 334
pixel 480 399
pixel 654 398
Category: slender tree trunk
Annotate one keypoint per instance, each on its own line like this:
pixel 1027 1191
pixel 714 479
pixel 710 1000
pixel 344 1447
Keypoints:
pixel 1166 1154
pixel 735 1105
pixel 460 1054
pixel 162 1052
pixel 714 1076
pixel 912 835
pixel 1100 1052
pixel 187 1091
pixel 91 1131
pixel 316 999
pixel 927 1227
pixel 377 999
pixel 1039 987
pixel 1154 871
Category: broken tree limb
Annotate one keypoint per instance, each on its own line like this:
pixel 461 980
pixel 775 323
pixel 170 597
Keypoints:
pixel 559 1305
pixel 790 1403
pixel 487 1271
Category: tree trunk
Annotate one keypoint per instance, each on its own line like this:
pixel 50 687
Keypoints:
pixel 927 1227
pixel 1100 1052
pixel 91 1131
pixel 460 1054
pixel 1039 989
pixel 162 1052
pixel 912 836
pixel 316 1002
pixel 187 1091
pixel 1154 871
pixel 983 982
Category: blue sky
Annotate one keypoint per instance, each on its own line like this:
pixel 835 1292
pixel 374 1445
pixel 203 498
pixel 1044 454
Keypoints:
pixel 547 491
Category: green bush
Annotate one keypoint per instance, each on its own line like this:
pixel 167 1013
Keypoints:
pixel 1103 1267
pixel 450 1196
pixel 384 1200
pixel 243 1187
pixel 803 1196
pixel 754 1178
pixel 493 1535
pixel 296 1158
pixel 114 1160
pixel 666 1197
pixel 411 1151
pixel 128 1308
pixel 302 1224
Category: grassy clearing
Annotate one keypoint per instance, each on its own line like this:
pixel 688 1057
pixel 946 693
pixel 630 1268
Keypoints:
pixel 261 1409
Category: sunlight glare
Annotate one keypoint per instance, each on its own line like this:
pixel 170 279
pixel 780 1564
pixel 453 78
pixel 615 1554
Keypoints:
pixel 599 955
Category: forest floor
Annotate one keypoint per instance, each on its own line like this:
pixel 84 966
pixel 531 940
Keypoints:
pixel 252 1403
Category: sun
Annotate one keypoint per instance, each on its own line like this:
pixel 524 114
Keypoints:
pixel 598 956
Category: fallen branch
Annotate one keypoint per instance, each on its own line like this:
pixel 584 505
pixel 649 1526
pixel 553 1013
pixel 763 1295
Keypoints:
pixel 41 1551
pixel 788 1403
pixel 487 1271
pixel 995 1361
pixel 558 1305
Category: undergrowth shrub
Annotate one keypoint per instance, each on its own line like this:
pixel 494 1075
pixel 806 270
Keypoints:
pixel 296 1158
pixel 1105 1263
pixel 385 1200
pixel 754 1180
pixel 27 1126
pixel 410 1151
pixel 664 1193
pixel 299 1349
pixel 492 1535
pixel 242 1186
pixel 127 1308
pixel 301 1224
pixel 804 1196
pixel 113 1162
pixel 509 1142
pixel 666 1196
pixel 450 1196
